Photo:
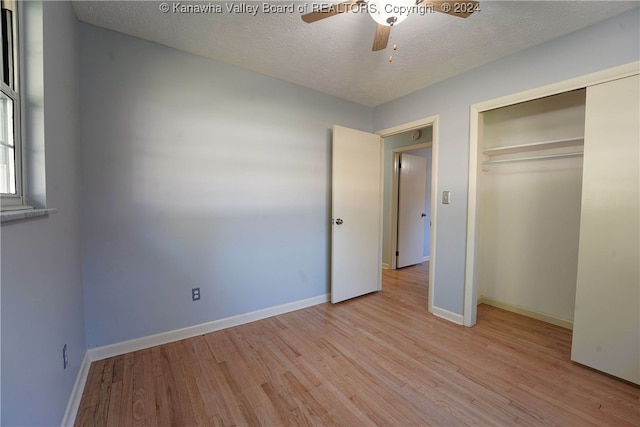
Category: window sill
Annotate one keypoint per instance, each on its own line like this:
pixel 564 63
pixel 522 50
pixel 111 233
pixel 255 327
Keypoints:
pixel 24 214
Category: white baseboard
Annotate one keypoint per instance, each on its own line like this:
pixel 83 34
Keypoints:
pixel 447 315
pixel 136 344
pixel 117 349
pixel 554 320
pixel 76 393
pixel 387 266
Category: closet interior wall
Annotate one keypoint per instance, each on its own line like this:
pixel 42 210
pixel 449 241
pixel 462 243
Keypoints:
pixel 529 199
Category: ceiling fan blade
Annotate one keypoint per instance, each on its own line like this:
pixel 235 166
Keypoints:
pixel 328 11
pixel 460 9
pixel 381 38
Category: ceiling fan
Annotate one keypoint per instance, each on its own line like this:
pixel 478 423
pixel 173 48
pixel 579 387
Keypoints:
pixel 388 13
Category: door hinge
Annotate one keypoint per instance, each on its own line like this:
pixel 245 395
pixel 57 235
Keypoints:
pixel 399 165
pixel 397 253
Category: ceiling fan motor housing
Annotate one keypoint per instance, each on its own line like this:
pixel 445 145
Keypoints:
pixel 390 12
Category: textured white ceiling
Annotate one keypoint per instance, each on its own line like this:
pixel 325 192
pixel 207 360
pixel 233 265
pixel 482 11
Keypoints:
pixel 334 55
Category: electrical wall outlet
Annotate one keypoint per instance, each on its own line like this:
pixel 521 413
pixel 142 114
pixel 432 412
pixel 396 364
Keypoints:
pixel 195 294
pixel 65 356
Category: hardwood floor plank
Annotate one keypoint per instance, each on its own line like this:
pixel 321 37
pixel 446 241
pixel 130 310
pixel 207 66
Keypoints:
pixel 163 414
pixel 148 386
pixel 281 404
pixel 316 410
pixel 188 371
pixel 156 360
pixel 177 394
pixel 239 401
pixel 94 378
pixel 102 409
pixel 227 410
pixel 380 359
pixel 205 388
pixel 115 404
pixel 138 390
pixel 85 417
pixel 222 348
pixel 126 406
pixel 118 368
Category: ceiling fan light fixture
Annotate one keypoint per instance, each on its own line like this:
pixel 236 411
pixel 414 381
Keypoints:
pixel 390 12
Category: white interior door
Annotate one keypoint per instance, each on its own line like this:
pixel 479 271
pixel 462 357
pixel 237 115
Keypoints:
pixel 606 325
pixel 412 183
pixel 357 214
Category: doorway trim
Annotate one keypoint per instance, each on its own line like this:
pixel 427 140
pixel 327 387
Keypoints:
pixel 406 127
pixel 469 312
pixel 393 208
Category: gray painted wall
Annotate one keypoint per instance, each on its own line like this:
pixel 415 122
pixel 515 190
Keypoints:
pixel 42 307
pixel 198 174
pixel 601 46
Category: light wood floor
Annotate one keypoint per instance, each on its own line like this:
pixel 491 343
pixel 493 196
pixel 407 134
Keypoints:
pixel 380 359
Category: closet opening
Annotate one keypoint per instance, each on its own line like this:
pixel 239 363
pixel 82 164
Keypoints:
pixel 529 189
pixel 552 230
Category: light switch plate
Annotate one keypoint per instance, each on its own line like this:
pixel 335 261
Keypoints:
pixel 446 197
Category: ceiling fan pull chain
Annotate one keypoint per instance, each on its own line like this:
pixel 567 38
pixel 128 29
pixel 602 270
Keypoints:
pixel 395 47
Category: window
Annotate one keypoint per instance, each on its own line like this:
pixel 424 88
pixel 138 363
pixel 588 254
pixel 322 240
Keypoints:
pixel 11 189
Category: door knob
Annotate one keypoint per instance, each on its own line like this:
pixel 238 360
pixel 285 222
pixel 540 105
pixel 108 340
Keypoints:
pixel 423 215
pixel 339 221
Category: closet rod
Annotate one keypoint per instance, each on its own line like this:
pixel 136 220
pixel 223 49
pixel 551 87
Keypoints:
pixel 548 156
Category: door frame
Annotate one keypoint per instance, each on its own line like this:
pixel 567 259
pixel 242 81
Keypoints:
pixel 395 199
pixel 406 127
pixel 469 313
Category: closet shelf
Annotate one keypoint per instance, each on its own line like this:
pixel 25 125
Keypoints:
pixel 547 156
pixel 535 146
